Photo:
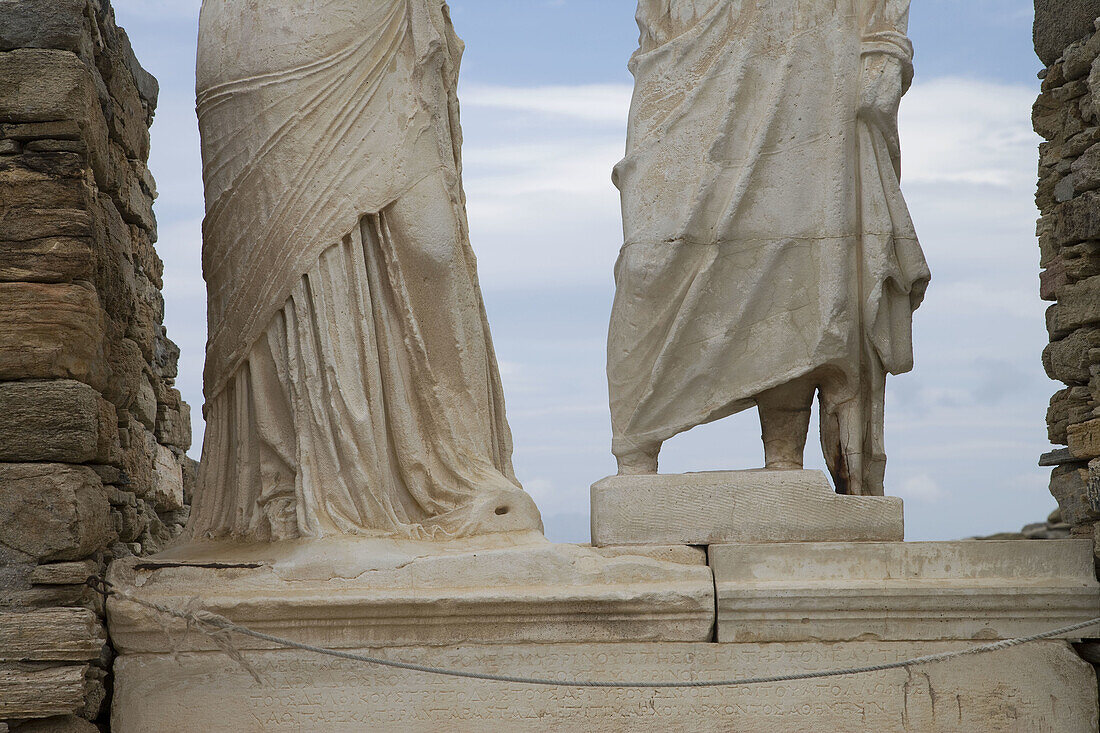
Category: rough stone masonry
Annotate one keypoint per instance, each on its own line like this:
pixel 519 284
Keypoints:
pixel 1067 116
pixel 92 430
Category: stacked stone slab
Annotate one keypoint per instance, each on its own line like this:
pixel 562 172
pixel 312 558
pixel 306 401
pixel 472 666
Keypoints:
pixel 1068 117
pixel 93 433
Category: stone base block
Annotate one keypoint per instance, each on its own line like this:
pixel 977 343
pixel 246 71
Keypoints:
pixel 349 593
pixel 737 506
pixel 838 591
pixel 1042 688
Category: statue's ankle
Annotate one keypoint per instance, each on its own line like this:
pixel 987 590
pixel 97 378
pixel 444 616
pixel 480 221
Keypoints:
pixel 783 464
pixel 782 455
pixel 637 463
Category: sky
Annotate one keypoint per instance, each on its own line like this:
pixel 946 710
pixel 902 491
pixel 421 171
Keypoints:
pixel 544 93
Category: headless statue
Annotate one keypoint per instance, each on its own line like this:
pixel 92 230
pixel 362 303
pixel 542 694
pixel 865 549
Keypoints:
pixel 769 255
pixel 351 385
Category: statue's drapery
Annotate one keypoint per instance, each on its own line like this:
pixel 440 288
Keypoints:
pixel 766 237
pixel 351 383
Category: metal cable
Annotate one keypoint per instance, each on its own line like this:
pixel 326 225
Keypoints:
pixel 204 620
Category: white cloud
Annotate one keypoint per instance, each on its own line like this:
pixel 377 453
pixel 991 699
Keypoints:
pixel 957 130
pixel 596 103
pixel 920 488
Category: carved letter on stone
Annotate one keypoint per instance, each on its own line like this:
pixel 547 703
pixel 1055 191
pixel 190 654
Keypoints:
pixel 768 252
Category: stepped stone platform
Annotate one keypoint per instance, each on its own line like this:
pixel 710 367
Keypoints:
pixel 518 605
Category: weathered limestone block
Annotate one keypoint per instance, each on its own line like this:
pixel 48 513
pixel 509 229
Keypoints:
pixel 683 554
pixel 51 331
pixel 128 370
pixel 1076 306
pixel 1067 360
pixel 174 425
pixel 1080 137
pixel 59 724
pixel 1084 439
pixel 135 206
pixel 1081 261
pixel 1092 491
pixel 64 573
pixel 1078 57
pixel 1053 278
pixel 95 692
pixel 911 591
pixel 46 86
pixel 145 327
pixel 116 45
pixel 51 635
pixel 1078 220
pixel 59 420
pixel 21 225
pixel 1041 687
pixel 128 120
pixel 1068 407
pixel 1086 169
pixel 167 492
pixel 41 693
pixel 115 274
pixel 56 146
pixel 1064 188
pixel 1046 120
pixel 1069 485
pixel 130 519
pixel 347 592
pixel 144 406
pixel 56 24
pixel 40 180
pixel 139 452
pixel 15 569
pixel 736 506
pixel 190 477
pixel 146 259
pixel 52 511
pixel 47 260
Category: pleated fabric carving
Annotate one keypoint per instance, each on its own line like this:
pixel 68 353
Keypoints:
pixel 351 382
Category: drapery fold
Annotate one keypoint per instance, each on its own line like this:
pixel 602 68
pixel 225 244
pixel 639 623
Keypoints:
pixel 351 382
pixel 298 154
pixel 765 235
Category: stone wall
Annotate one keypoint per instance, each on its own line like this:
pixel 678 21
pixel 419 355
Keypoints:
pixel 1067 116
pixel 92 431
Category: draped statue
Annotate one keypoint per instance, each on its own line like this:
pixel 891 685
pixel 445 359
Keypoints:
pixel 351 385
pixel 769 254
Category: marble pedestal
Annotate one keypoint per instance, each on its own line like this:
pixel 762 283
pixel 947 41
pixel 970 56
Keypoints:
pixel 1043 688
pixel 903 591
pixel 737 506
pixel 353 593
pixel 521 606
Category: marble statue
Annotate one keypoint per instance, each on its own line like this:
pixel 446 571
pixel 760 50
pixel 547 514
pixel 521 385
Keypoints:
pixel 351 385
pixel 769 254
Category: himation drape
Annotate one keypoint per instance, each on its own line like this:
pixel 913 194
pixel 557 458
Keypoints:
pixel 351 383
pixel 766 237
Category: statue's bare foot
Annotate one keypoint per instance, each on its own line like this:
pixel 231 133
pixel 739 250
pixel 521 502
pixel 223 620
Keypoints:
pixel 638 463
